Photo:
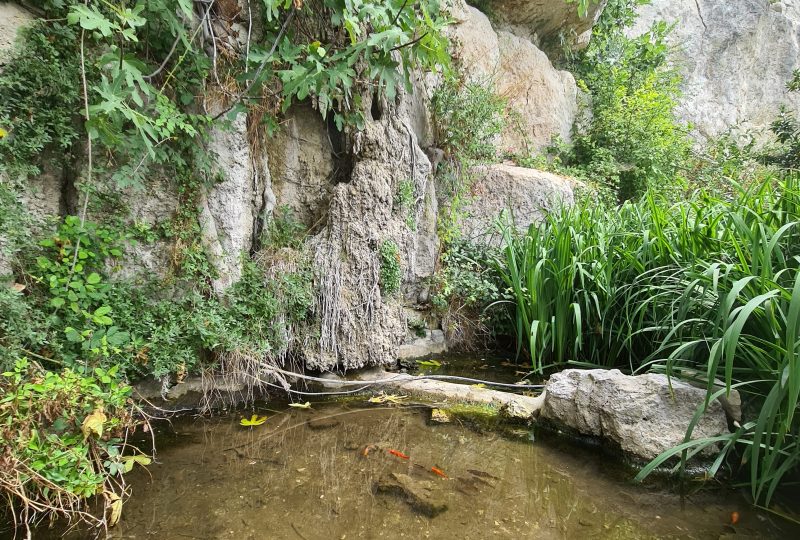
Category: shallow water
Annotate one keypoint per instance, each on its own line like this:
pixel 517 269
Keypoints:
pixel 303 475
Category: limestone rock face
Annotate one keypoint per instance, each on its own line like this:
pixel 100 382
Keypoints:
pixel 640 414
pixel 543 99
pixel 12 19
pixel 735 57
pixel 301 164
pixel 550 22
pixel 231 213
pixel 528 193
pixel 359 325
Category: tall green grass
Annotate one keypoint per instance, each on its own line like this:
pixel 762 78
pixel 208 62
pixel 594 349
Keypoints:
pixel 707 289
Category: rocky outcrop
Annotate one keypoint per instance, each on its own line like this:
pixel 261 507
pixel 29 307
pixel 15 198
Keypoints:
pixel 643 415
pixel 527 193
pixel 302 164
pixel 359 325
pixel 552 24
pixel 735 58
pixel 541 99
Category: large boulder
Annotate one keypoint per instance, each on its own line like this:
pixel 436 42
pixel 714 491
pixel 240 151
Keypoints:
pixel 553 24
pixel 542 99
pixel 644 415
pixel 527 193
pixel 735 58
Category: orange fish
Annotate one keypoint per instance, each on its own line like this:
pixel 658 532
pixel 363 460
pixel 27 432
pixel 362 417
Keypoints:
pixel 398 454
pixel 367 449
pixel 734 518
pixel 438 472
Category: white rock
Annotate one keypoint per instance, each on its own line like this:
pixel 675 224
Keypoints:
pixel 543 98
pixel 641 414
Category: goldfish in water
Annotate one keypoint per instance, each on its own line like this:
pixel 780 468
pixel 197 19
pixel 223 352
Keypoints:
pixel 734 518
pixel 369 448
pixel 398 453
pixel 438 472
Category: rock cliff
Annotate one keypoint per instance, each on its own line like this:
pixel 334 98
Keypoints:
pixel 735 57
pixel 345 189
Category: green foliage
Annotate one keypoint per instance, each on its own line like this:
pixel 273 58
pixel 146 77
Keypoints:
pixel 390 269
pixel 634 141
pixel 467 290
pixel 468 116
pixel 321 56
pixel 62 436
pixel 787 130
pixel 284 230
pixel 39 98
pixel 70 270
pixel 707 288
pixel 404 202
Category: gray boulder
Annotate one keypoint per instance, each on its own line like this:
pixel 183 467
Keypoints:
pixel 644 415
pixel 528 193
pixel 543 99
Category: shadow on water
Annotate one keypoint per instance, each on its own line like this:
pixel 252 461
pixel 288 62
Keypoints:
pixel 304 475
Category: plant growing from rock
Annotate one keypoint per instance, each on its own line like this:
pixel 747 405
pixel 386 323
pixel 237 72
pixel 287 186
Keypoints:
pixel 390 268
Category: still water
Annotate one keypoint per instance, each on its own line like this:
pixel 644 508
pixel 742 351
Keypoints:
pixel 316 474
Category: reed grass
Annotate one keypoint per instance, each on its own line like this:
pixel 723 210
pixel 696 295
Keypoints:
pixel 706 288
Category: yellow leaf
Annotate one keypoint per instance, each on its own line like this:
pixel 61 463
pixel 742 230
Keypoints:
pixel 116 508
pixel 3 133
pixel 254 420
pixel 94 423
pixel 306 405
pixel 479 385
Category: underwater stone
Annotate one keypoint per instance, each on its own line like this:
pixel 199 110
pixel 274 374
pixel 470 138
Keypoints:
pixel 422 495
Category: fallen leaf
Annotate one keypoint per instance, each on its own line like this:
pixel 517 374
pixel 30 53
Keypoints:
pixel 19 287
pixel 94 423
pixel 116 508
pixel 254 420
pixel 387 398
pixel 306 405
pixel 479 385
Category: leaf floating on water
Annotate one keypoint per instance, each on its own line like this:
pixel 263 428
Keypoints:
pixel 254 420
pixel 306 405
pixel 429 363
pixel 94 423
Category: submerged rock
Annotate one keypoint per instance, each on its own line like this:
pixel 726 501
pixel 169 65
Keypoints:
pixel 422 495
pixel 644 415
pixel 432 343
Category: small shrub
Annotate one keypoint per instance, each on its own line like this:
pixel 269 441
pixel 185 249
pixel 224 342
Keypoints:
pixel 468 116
pixel 63 442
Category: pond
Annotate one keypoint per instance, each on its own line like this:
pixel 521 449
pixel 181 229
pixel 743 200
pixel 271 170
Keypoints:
pixel 338 471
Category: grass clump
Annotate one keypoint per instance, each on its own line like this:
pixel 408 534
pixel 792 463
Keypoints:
pixel 706 288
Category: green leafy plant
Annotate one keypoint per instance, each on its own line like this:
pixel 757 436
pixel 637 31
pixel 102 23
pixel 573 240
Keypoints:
pixel 707 289
pixel 634 141
pixel 390 269
pixel 63 441
pixel 468 116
